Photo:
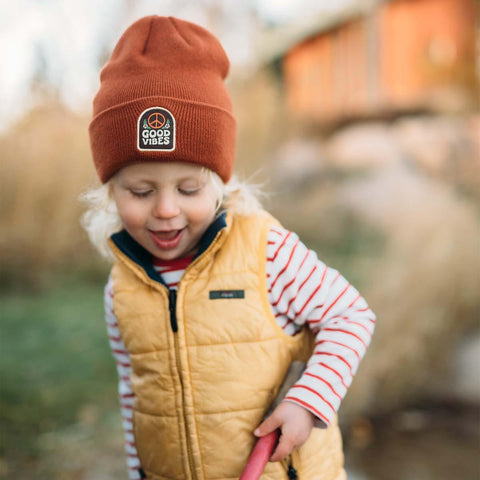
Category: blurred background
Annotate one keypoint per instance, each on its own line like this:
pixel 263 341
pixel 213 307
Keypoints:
pixel 360 118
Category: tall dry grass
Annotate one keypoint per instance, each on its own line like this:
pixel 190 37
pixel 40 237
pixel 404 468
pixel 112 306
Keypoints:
pixel 425 286
pixel 45 165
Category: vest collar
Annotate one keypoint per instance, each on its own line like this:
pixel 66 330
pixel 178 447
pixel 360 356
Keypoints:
pixel 135 252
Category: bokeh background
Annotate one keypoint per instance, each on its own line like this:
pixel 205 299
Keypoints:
pixel 359 118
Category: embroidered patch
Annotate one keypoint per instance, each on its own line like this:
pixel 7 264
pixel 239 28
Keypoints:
pixel 227 294
pixel 156 130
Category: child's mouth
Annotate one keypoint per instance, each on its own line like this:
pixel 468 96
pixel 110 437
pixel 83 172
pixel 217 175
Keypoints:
pixel 166 239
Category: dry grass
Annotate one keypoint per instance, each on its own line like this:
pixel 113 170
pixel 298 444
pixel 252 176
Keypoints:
pixel 259 111
pixel 424 285
pixel 45 165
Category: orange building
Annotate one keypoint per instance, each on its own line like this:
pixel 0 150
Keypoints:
pixel 392 56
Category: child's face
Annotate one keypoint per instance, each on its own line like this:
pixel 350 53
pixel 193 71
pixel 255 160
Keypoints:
pixel 165 207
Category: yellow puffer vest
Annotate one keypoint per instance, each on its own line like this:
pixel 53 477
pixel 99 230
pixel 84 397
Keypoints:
pixel 201 390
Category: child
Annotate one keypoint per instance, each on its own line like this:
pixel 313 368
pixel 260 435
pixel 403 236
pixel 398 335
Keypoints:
pixel 209 299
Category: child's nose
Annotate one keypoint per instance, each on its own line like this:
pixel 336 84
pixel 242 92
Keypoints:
pixel 166 206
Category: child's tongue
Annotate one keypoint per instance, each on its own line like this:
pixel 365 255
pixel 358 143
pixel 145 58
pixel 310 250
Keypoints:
pixel 167 235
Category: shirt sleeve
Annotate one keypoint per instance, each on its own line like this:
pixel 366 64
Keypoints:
pixel 126 396
pixel 305 291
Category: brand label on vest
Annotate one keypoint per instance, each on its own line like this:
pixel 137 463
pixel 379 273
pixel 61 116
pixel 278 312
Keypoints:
pixel 227 294
pixel 156 130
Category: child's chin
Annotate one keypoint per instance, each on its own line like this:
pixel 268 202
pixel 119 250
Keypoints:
pixel 171 255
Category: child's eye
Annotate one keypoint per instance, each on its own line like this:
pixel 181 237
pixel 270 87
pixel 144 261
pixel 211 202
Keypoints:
pixel 189 191
pixel 141 193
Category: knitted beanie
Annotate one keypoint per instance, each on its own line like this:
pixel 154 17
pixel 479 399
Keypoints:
pixel 162 99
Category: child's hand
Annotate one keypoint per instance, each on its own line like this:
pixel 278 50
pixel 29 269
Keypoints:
pixel 295 423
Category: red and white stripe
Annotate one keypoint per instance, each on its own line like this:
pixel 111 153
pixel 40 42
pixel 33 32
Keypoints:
pixel 171 271
pixel 302 291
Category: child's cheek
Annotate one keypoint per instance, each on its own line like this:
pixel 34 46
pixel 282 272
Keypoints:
pixel 132 215
pixel 202 208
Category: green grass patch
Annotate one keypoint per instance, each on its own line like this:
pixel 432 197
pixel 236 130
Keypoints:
pixel 54 359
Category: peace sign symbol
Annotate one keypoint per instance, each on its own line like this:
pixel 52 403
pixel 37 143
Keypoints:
pixel 156 120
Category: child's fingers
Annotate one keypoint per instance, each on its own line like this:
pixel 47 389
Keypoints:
pixel 285 447
pixel 271 423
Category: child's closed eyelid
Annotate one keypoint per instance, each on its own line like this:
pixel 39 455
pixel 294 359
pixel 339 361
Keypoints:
pixel 189 191
pixel 140 193
pixel 190 187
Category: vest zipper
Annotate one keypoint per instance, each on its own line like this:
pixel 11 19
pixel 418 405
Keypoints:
pixel 172 306
pixel 292 473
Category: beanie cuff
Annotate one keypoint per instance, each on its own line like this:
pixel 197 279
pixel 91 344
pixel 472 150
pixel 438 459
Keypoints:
pixel 114 136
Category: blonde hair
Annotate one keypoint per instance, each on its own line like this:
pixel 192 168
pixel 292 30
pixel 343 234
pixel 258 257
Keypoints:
pixel 101 219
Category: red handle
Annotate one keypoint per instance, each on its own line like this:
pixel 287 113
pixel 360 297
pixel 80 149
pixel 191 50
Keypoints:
pixel 259 457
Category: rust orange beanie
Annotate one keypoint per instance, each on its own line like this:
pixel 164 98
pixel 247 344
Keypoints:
pixel 162 98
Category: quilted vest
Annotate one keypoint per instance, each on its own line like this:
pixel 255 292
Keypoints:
pixel 208 360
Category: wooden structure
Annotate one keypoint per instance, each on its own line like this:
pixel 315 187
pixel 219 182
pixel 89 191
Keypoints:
pixel 380 58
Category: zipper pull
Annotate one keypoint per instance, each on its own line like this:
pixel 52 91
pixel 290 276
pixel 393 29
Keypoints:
pixel 172 306
pixel 292 472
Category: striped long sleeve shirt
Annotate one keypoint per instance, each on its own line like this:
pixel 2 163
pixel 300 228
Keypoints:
pixel 302 290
